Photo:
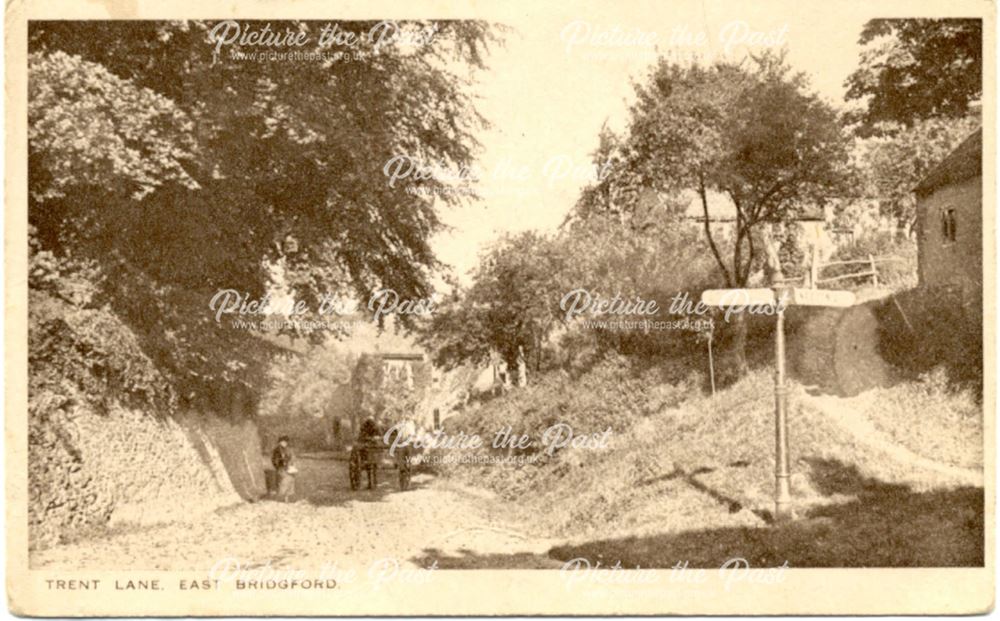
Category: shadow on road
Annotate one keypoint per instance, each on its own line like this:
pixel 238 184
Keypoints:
pixel 467 559
pixel 885 525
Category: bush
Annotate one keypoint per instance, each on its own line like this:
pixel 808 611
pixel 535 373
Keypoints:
pixel 927 327
pixel 617 393
pixel 94 351
pixel 932 418
pixel 608 258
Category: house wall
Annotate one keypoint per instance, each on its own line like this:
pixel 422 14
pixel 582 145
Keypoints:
pixel 944 262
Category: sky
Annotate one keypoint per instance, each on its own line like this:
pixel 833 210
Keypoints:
pixel 564 72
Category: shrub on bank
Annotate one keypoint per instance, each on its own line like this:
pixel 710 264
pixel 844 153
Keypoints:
pixel 927 327
pixel 106 446
pixel 932 418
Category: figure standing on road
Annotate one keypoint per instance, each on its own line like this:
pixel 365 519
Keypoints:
pixel 284 468
pixel 369 431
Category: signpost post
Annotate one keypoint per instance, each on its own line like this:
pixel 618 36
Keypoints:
pixel 779 297
pixel 782 490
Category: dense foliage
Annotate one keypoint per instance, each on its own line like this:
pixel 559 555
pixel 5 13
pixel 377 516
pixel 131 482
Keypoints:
pixel 751 132
pixel 913 69
pixel 509 310
pixel 895 162
pixel 179 170
pixel 749 135
pixel 516 308
pixel 935 327
pixel 307 383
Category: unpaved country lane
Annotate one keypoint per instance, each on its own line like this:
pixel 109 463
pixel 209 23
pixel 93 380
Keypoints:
pixel 866 433
pixel 325 525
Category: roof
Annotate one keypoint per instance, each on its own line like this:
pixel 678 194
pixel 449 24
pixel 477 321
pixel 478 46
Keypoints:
pixel 965 162
pixel 722 209
pixel 282 342
pixel 399 356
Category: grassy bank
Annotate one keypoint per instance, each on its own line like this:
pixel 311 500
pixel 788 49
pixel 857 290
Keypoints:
pixel 689 476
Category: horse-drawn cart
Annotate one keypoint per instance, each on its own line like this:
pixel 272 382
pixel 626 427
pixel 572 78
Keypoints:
pixel 367 456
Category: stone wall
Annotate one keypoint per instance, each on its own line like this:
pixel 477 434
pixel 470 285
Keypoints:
pixel 89 472
pixel 105 448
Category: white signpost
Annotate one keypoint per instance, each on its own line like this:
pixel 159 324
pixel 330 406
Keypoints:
pixel 780 297
pixel 819 297
pixel 737 297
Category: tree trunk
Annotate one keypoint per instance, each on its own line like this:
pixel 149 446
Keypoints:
pixel 522 369
pixel 772 251
pixel 737 365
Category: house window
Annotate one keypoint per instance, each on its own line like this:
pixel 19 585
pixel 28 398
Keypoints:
pixel 948 225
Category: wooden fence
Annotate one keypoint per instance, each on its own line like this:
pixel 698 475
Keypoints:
pixel 869 269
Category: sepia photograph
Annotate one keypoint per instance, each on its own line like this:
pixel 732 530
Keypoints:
pixel 337 311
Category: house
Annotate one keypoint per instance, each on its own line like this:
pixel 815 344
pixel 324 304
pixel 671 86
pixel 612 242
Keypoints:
pixel 812 222
pixel 950 220
pixel 815 239
pixel 374 388
pixel 401 364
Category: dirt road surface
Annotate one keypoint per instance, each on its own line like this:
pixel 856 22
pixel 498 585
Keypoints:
pixel 325 525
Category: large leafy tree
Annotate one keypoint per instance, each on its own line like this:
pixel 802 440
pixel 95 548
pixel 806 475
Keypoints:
pixel 914 69
pixel 181 170
pixel 514 306
pixel 894 163
pixel 307 383
pixel 508 311
pixel 751 132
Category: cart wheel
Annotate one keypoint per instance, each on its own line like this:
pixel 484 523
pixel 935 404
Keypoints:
pixel 354 473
